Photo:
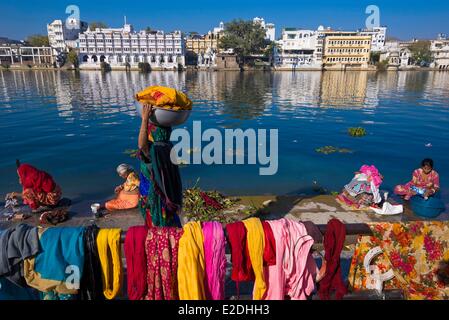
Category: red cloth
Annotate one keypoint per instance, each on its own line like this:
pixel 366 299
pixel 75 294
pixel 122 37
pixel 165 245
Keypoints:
pixel 162 260
pixel 136 262
pixel 37 180
pixel 269 253
pixel 334 239
pixel 241 263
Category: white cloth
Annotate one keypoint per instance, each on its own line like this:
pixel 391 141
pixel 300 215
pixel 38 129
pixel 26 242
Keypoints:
pixel 389 209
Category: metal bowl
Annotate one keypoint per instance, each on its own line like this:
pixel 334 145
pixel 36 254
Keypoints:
pixel 165 117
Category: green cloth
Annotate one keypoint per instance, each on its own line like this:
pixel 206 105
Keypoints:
pixel 164 197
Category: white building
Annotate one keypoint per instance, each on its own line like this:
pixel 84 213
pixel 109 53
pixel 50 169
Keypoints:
pixel 64 35
pixel 121 47
pixel 298 48
pixel 397 53
pixel 270 30
pixel 440 52
pixel 378 35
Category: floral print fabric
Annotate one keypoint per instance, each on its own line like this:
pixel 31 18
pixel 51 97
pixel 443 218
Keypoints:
pixel 413 250
pixel 162 260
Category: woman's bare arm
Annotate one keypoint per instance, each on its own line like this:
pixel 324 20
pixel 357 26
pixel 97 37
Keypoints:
pixel 143 134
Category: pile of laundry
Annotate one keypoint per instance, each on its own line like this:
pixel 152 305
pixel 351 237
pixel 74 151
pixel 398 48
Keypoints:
pixel 362 193
pixel 13 210
pixel 169 263
pixel 60 263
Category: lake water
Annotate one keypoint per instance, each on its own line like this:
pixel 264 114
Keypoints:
pixel 78 125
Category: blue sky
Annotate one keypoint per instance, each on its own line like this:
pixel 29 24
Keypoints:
pixel 405 19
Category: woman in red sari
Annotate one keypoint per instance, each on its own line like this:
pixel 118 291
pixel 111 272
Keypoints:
pixel 39 188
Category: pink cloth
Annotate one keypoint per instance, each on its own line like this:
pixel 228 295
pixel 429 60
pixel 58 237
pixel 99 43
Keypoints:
pixel 215 260
pixel 372 173
pixel 294 273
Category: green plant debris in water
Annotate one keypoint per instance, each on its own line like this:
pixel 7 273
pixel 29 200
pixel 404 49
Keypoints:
pixel 133 153
pixel 332 149
pixel 357 132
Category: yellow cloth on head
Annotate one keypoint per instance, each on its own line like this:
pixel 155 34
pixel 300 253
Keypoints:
pixel 191 263
pixel 256 245
pixel 164 97
pixel 108 244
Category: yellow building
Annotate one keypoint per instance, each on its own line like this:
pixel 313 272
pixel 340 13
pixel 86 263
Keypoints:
pixel 346 50
pixel 199 44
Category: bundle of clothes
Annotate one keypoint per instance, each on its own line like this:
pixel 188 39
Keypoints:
pixel 170 263
pixel 362 191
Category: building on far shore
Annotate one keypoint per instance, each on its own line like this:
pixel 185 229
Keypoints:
pixel 201 50
pixel 398 55
pixel 20 55
pixel 227 61
pixel 345 50
pixel 378 35
pixel 125 48
pixel 64 35
pixel 296 49
pixel 270 30
pixel 440 52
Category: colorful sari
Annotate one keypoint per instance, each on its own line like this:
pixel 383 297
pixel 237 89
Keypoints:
pixel 126 200
pixel 39 188
pixel 420 180
pixel 160 188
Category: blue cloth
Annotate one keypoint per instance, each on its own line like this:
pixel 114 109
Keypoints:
pixel 61 247
pixel 10 291
pixel 144 186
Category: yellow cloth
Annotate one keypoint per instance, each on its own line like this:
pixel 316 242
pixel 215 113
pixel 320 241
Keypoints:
pixel 164 97
pixel 191 263
pixel 108 243
pixel 256 244
pixel 132 182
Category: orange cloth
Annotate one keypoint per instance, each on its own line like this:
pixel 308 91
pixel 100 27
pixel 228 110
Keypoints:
pixel 164 97
pixel 123 201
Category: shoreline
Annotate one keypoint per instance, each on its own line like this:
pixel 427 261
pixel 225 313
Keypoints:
pixel 274 70
pixel 318 209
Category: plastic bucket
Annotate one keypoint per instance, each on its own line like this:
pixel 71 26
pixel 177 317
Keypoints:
pixel 429 208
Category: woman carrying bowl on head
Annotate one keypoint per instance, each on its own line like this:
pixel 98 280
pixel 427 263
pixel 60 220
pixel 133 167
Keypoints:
pixel 160 182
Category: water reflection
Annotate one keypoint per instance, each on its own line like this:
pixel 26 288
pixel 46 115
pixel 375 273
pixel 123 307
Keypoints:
pixel 79 124
pixel 238 95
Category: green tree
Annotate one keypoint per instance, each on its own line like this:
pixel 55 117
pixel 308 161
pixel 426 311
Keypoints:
pixel 148 29
pixel 97 24
pixel 421 53
pixel 374 57
pixel 72 57
pixel 38 40
pixel 245 37
pixel 269 50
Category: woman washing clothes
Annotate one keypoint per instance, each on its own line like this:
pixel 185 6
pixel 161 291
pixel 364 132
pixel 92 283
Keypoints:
pixel 160 182
pixel 39 190
pixel 425 182
pixel 128 192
